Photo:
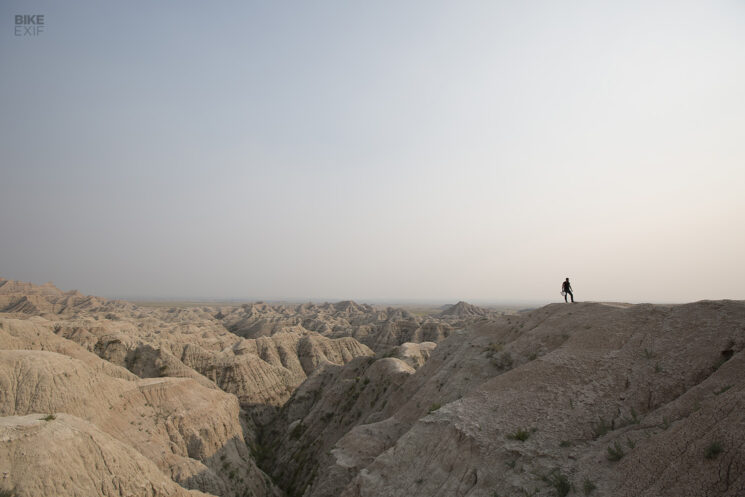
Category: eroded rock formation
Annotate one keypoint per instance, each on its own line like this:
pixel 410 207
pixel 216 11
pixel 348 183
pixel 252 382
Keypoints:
pixel 329 400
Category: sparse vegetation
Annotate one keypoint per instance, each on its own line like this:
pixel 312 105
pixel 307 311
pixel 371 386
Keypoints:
pixel 49 417
pixel 713 450
pixel 502 361
pixel 588 486
pixel 338 405
pixel 7 492
pixel 657 368
pixel 493 347
pixel 615 452
pixel 633 419
pixel 520 434
pixel 602 427
pixel 722 390
pixel 559 482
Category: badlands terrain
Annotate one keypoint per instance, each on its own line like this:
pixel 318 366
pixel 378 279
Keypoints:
pixel 108 398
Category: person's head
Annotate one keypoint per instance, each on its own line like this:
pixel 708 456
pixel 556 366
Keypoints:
pixel 567 279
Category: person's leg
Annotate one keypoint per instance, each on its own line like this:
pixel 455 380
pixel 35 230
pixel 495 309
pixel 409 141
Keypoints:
pixel 565 296
pixel 571 295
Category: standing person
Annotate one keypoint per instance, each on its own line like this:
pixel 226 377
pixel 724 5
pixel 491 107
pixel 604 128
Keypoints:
pixel 566 288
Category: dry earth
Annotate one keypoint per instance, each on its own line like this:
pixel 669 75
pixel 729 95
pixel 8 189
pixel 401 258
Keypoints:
pixel 102 397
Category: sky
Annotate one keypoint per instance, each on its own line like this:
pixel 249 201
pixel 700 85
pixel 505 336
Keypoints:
pixel 421 150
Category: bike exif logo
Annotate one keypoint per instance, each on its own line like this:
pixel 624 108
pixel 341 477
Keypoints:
pixel 29 25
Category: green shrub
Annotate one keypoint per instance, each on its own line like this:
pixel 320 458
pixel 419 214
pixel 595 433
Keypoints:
pixel 49 417
pixel 435 406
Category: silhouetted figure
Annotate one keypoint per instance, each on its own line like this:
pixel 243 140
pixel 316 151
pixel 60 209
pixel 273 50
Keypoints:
pixel 566 289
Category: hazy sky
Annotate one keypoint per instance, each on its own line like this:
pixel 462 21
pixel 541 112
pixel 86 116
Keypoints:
pixel 376 150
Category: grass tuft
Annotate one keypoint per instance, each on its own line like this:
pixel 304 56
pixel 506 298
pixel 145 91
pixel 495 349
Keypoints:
pixel 588 486
pixel 602 427
pixel 560 483
pixel 615 452
pixel 665 423
pixel 520 434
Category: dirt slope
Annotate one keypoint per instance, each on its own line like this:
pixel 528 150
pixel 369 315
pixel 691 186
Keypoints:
pixel 618 400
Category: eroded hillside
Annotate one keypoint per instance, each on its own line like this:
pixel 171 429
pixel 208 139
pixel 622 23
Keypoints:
pixel 354 400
